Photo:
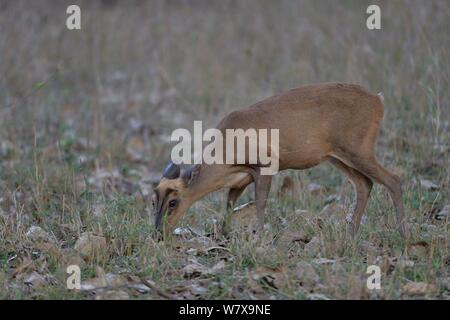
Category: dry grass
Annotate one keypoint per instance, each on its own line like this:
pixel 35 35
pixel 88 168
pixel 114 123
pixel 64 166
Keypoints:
pixel 85 117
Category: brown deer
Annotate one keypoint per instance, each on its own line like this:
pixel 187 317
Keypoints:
pixel 334 122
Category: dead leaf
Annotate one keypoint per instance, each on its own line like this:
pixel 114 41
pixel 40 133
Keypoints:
pixel 418 288
pixel 244 215
pixel 25 266
pixel 112 295
pixel 90 245
pixel 102 280
pixel 71 256
pixel 306 274
pixel 200 243
pixel 49 248
pixel 35 280
pixel 36 233
pixel 289 236
pixel 313 247
pixel 306 215
pixel 264 276
pixel 190 289
pixel 418 250
pixel 195 269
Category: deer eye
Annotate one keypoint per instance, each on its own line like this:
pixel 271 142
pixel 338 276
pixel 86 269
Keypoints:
pixel 172 204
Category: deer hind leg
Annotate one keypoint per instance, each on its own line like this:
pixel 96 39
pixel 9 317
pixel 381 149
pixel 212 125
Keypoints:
pixel 362 186
pixel 369 166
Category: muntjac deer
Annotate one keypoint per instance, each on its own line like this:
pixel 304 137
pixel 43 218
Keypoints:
pixel 333 122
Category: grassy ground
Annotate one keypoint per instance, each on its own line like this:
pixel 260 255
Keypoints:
pixel 85 118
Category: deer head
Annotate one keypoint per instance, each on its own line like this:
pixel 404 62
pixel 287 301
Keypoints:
pixel 173 197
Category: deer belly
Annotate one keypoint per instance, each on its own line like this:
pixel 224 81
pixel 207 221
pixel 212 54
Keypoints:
pixel 238 179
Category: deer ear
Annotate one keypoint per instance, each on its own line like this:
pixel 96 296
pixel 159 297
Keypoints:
pixel 172 171
pixel 188 176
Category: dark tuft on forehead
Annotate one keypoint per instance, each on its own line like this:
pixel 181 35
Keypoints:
pixel 171 171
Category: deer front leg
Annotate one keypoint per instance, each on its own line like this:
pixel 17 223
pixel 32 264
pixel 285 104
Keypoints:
pixel 262 189
pixel 233 195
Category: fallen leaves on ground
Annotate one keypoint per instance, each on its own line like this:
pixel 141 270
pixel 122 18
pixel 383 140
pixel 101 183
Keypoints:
pixel 418 288
pixel 35 280
pixel 244 215
pixel 25 266
pixel 36 233
pixel 305 274
pixel 103 280
pixel 289 236
pixel 418 250
pixel 90 245
pixel 264 277
pixel 190 289
pixel 194 269
pixel 313 246
pixel 112 295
